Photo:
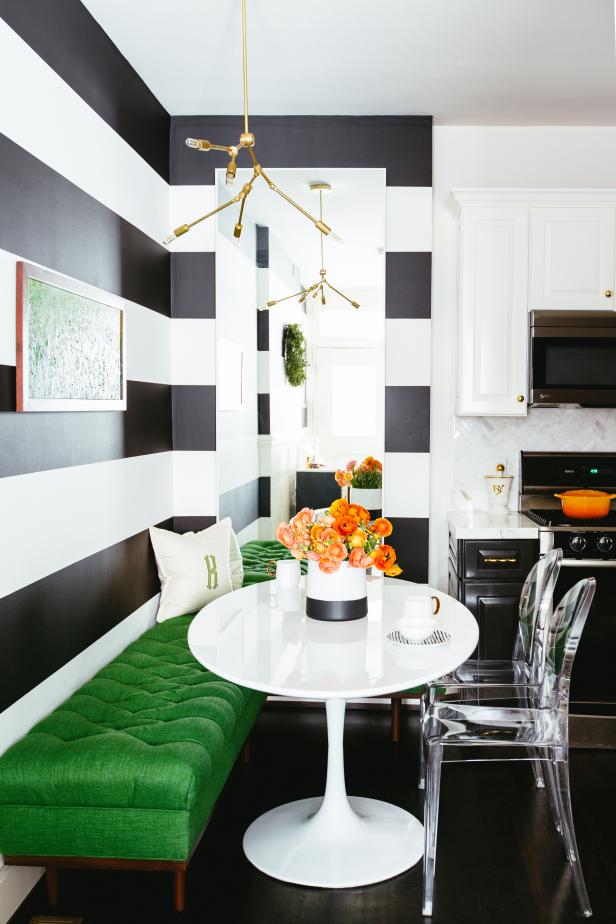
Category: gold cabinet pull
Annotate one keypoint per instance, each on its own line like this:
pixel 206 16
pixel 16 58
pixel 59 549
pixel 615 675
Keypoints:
pixel 499 561
pixel 520 398
pixel 608 293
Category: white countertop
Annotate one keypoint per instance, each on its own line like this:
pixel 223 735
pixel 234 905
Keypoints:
pixel 477 524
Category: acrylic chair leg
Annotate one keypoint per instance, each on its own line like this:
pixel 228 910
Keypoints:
pixel 433 787
pixel 549 772
pixel 537 772
pixel 422 760
pixel 564 798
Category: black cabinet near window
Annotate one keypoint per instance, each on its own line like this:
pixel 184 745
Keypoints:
pixel 488 576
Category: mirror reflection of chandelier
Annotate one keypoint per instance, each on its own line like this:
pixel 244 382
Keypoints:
pixel 323 282
pixel 246 140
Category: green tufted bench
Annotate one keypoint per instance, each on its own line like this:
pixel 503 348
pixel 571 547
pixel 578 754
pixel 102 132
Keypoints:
pixel 126 773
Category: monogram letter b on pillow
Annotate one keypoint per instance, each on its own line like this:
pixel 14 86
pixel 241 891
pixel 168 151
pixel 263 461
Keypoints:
pixel 194 568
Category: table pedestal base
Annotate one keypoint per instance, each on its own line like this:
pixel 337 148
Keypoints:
pixel 295 843
pixel 334 841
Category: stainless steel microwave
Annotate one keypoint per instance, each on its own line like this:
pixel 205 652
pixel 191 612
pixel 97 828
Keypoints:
pixel 572 358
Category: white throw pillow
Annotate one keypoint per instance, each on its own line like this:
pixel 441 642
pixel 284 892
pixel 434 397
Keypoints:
pixel 194 568
pixel 237 564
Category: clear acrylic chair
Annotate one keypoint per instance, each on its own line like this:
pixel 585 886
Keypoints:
pixel 494 730
pixel 526 664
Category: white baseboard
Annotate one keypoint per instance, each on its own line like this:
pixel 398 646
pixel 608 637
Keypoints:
pixel 16 882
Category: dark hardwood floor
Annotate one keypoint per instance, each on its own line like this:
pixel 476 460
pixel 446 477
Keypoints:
pixel 499 860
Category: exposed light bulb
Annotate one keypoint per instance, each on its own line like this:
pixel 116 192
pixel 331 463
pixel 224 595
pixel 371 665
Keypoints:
pixel 332 236
pixel 230 174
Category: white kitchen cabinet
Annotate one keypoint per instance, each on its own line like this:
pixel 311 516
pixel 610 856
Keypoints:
pixel 493 310
pixel 572 256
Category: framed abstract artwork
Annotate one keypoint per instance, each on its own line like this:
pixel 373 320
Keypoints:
pixel 71 344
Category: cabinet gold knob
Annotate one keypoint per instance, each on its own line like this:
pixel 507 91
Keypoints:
pixel 520 398
pixel 608 293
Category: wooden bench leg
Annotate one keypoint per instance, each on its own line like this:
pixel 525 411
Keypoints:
pixel 52 877
pixel 247 751
pixel 396 712
pixel 179 889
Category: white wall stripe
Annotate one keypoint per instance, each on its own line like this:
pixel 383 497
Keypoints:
pixel 15 883
pixel 408 351
pixel 193 351
pixel 406 486
pixel 187 203
pixel 241 462
pixel 409 218
pixel 78 511
pixel 41 113
pixel 194 484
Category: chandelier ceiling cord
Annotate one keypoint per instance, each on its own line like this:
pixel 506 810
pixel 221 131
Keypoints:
pixel 246 140
pixel 319 285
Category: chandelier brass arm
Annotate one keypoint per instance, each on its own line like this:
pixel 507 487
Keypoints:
pixel 246 140
pixel 318 286
pixel 241 197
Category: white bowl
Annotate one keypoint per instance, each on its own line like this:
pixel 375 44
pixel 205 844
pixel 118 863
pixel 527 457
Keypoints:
pixel 416 628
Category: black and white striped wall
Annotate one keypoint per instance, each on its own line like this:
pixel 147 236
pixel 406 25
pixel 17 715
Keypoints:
pixel 403 146
pixel 84 153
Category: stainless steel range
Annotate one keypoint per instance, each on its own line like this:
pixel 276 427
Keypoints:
pixel 589 548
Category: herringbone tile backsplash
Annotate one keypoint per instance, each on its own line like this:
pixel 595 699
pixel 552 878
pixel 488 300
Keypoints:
pixel 480 443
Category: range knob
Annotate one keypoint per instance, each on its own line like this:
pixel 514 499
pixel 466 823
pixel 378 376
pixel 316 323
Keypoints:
pixel 605 544
pixel 577 543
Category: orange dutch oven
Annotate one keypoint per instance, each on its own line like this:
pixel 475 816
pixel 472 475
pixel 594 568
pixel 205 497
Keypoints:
pixel 585 504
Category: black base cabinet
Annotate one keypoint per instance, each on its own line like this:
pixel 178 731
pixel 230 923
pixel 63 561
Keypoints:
pixel 487 576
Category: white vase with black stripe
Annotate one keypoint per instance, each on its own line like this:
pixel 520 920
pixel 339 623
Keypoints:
pixel 370 498
pixel 336 597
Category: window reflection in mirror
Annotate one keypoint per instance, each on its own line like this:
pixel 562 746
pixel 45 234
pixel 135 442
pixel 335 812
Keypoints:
pixel 267 429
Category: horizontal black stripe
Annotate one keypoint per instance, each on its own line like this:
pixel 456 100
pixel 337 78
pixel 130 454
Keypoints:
pixel 263 412
pixel 241 504
pixel 70 41
pixel 37 442
pixel 192 524
pixel 410 539
pixel 265 496
pixel 194 417
pixel 49 622
pixel 262 247
pixel 47 219
pixel 408 292
pixel 263 330
pixel 407 418
pixel 401 144
pixel 193 285
pixel 336 610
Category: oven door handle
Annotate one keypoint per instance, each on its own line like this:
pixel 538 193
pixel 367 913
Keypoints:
pixel 587 563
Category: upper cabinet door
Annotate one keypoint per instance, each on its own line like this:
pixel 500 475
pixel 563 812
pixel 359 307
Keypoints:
pixel 493 317
pixel 572 257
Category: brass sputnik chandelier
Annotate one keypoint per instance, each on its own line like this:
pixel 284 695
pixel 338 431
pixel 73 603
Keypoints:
pixel 246 140
pixel 319 285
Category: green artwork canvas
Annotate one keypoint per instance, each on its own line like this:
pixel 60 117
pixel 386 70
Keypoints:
pixel 71 344
pixel 75 346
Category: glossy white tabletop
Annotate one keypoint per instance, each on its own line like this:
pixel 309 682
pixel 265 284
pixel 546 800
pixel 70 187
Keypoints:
pixel 249 638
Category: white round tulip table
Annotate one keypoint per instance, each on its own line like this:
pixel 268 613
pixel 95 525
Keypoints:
pixel 260 637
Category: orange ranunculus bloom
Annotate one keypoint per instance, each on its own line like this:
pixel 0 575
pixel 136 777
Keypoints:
pixel 339 507
pixel 359 559
pixel 393 572
pixel 328 566
pixel 384 557
pixel 371 462
pixel 302 520
pixel 337 551
pixel 360 513
pixel 316 532
pixel 346 525
pixel 328 534
pixel 358 539
pixel 382 527
pixel 343 479
pixel 285 534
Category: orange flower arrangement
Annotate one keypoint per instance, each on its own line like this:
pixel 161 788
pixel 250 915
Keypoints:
pixel 344 533
pixel 368 474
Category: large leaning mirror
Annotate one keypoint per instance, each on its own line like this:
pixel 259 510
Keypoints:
pixel 282 436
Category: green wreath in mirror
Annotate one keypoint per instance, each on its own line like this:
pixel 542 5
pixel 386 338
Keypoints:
pixel 294 351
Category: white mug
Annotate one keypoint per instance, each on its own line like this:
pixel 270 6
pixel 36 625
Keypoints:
pixel 288 573
pixel 421 607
